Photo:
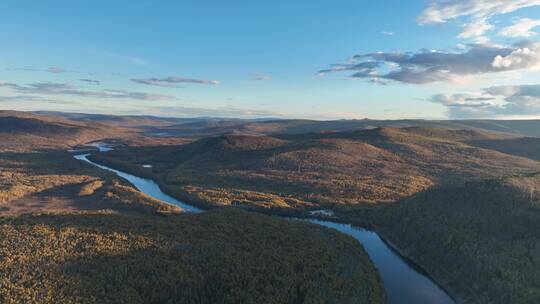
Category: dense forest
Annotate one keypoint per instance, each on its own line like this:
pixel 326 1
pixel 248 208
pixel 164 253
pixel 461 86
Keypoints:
pixel 481 239
pixel 221 256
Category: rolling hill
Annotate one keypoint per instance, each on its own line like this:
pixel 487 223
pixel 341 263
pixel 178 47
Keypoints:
pixel 22 131
pixel 467 214
pixel 72 233
pixel 460 198
pixel 213 126
pixel 367 166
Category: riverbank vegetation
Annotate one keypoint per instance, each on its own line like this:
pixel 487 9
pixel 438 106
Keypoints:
pixel 220 256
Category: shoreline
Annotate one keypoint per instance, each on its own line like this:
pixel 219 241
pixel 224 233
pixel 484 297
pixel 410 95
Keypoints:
pixel 412 261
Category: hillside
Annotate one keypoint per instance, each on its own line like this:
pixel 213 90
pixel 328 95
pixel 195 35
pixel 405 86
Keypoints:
pixel 25 132
pixel 55 181
pixel 117 120
pixel 72 233
pixel 466 214
pixel 214 127
pixel 222 256
pixel 481 239
pixel 37 173
pixel 526 146
pixel 366 166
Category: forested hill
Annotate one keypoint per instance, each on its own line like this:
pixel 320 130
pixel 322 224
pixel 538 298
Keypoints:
pixel 221 256
pixel 366 166
pixel 481 239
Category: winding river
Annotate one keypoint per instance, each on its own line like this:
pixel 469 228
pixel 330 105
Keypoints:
pixel 403 282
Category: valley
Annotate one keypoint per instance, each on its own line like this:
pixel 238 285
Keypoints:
pixel 402 281
pixel 270 152
pixel 460 204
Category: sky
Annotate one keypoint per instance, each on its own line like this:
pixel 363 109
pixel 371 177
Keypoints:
pixel 316 59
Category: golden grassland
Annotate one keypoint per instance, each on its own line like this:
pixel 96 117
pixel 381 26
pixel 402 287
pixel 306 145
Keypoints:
pixel 221 256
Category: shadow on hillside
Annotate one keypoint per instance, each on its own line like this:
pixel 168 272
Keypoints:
pixel 525 147
pixel 47 162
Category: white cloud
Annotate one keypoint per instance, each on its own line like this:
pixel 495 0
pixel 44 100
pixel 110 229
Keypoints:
pixel 440 11
pixel 493 102
pixel 521 28
pixel 526 56
pixel 424 66
pixel 475 29
pixel 428 66
pixel 475 16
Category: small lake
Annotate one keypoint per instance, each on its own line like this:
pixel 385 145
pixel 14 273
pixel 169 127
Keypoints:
pixel 403 282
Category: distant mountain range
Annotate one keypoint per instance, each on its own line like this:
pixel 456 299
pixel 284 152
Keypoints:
pixel 205 126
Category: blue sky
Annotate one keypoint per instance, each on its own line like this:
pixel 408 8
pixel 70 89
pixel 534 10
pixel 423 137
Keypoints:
pixel 303 59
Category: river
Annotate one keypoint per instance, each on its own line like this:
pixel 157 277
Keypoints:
pixel 403 283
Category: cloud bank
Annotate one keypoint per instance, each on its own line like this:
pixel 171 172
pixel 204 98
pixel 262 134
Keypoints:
pixel 493 102
pixel 428 66
pixel 48 88
pixel 172 81
pixel 476 14
pixel 440 11
pixel 53 69
pixel 90 81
